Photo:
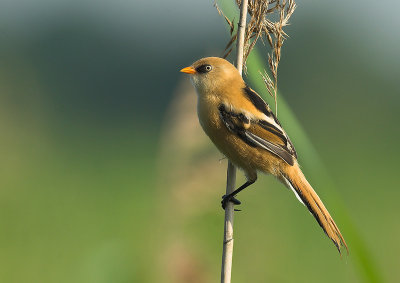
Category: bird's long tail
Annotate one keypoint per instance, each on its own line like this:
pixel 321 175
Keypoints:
pixel 294 178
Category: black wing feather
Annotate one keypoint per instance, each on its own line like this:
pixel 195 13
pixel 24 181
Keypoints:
pixel 234 122
pixel 279 151
pixel 262 106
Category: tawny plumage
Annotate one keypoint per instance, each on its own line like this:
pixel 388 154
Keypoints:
pixel 243 127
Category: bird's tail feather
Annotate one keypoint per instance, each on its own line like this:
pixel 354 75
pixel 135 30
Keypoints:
pixel 295 180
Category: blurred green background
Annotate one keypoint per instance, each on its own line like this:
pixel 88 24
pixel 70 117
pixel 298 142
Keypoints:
pixel 107 177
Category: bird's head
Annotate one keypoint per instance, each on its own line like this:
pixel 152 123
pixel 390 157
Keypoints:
pixel 211 74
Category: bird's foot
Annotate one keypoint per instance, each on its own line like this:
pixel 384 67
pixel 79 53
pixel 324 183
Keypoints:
pixel 226 198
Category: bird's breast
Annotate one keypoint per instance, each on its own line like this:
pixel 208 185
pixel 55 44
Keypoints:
pixel 230 145
pixel 207 110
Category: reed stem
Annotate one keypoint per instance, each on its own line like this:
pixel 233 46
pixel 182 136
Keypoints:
pixel 227 253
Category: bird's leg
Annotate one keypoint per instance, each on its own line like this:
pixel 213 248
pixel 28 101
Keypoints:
pixel 231 196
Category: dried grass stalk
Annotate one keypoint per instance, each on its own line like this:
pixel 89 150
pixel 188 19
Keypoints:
pixel 267 20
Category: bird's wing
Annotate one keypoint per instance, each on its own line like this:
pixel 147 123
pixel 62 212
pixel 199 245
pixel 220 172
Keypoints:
pixel 272 123
pixel 262 133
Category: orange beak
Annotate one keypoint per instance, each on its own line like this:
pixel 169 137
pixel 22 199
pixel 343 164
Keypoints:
pixel 188 70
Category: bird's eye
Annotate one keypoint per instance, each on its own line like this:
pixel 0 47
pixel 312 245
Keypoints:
pixel 204 69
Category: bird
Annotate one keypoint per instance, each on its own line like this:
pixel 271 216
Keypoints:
pixel 244 129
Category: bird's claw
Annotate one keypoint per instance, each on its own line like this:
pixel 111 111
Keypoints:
pixel 226 198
